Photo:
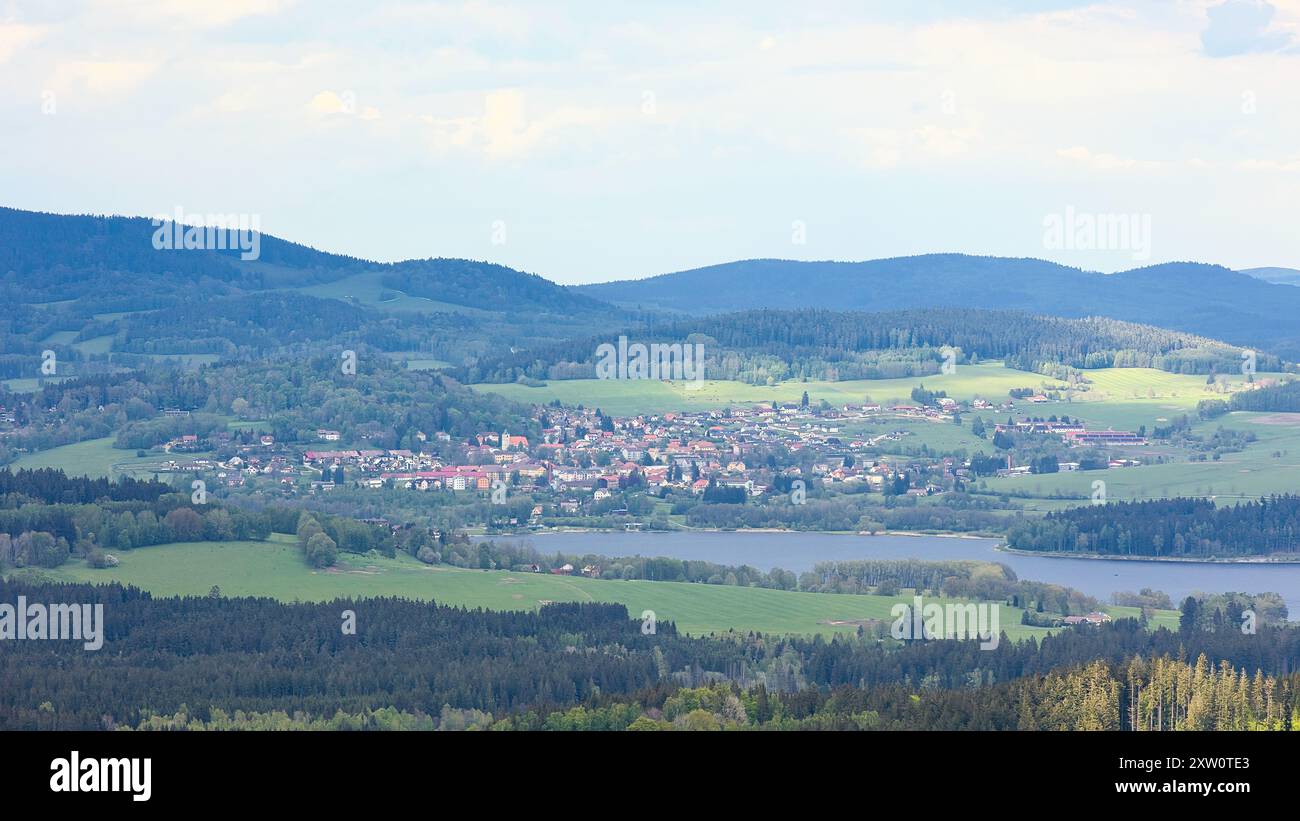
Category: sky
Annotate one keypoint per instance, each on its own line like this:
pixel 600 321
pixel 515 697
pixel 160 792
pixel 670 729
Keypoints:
pixel 592 141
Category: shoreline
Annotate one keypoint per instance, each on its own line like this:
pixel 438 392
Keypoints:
pixel 1255 560
pixel 909 533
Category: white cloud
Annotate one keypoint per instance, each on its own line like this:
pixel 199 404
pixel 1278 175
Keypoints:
pixel 505 130
pixel 833 109
pixel 1287 166
pixel 192 13
pixel 101 76
pixel 15 36
pixel 510 21
pixel 1103 161
pixel 327 102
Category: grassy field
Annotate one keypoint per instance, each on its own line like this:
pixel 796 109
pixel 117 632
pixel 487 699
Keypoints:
pixel 940 436
pixel 1269 465
pixel 627 397
pixel 98 344
pixel 95 458
pixel 276 569
pixel 1115 396
pixel 60 338
pixel 31 384
pixel 418 360
pixel 367 289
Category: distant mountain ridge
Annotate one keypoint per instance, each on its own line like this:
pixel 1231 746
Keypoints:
pixel 1277 276
pixel 112 260
pixel 103 265
pixel 1208 300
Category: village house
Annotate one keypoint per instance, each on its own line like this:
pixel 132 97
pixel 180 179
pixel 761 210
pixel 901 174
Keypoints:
pixel 1092 618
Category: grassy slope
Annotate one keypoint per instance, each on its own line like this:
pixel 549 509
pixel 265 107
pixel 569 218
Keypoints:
pixel 1252 472
pixel 1116 396
pixel 367 289
pixel 95 345
pixel 626 397
pixel 31 384
pixel 95 458
pixel 276 569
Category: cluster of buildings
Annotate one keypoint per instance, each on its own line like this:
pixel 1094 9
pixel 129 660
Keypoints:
pixel 1074 433
pixel 585 456
pixel 1094 618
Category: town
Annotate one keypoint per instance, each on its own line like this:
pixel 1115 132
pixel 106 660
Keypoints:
pixel 582 456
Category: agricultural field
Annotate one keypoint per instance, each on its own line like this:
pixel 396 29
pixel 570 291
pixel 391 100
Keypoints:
pixel 31 384
pixel 630 397
pixel 95 345
pixel 942 436
pixel 95 458
pixel 60 338
pixel 1114 396
pixel 275 568
pixel 418 360
pixel 1269 465
pixel 367 289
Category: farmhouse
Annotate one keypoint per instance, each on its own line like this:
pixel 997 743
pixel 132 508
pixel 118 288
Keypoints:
pixel 1091 618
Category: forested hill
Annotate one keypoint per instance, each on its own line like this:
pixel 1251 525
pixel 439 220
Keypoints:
pixel 112 264
pixel 1278 276
pixel 1179 528
pixel 54 257
pixel 821 344
pixel 1204 299
pixel 485 285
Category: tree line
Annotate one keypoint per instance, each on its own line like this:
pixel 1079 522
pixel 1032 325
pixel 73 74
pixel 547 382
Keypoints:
pixel 209 654
pixel 820 344
pixel 1166 527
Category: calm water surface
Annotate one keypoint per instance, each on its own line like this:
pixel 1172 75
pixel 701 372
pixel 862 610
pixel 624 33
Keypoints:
pixel 800 551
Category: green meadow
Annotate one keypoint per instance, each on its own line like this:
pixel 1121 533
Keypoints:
pixel 60 338
pixel 367 289
pixel 1114 397
pixel 418 360
pixel 31 384
pixel 941 436
pixel 633 396
pixel 1267 466
pixel 95 458
pixel 276 569
pixel 95 345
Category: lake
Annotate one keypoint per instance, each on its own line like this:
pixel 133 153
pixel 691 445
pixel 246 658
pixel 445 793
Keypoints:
pixel 798 552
